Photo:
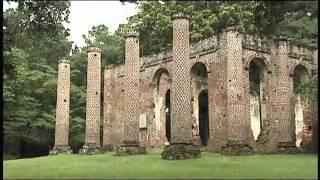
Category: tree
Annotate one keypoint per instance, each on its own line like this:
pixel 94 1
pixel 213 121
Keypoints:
pixel 112 45
pixel 153 20
pixel 34 40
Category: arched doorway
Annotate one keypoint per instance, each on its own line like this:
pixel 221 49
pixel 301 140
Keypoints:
pixel 199 101
pixel 258 83
pixel 203 117
pixel 161 84
pixel 168 118
pixel 301 103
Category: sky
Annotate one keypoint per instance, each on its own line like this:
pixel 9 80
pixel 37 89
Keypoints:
pixel 85 14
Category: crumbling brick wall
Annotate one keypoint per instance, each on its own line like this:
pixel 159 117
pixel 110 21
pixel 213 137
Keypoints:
pixel 212 53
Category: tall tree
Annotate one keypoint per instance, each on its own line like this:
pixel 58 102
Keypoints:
pixel 34 39
pixel 153 20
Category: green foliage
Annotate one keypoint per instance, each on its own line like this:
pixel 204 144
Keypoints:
pixel 199 75
pixel 34 40
pixel 307 89
pixel 112 45
pixel 254 78
pixel 200 81
pixel 153 20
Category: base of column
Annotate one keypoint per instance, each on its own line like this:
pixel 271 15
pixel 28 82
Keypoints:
pixel 60 149
pixel 106 148
pixel 179 151
pixel 130 148
pixel 89 149
pixel 236 149
pixel 288 147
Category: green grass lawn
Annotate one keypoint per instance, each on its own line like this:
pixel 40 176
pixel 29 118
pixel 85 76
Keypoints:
pixel 210 165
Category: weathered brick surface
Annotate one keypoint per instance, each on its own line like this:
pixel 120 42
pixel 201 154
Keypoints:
pixel 217 99
pixel 93 98
pixel 117 117
pixel 63 105
pixel 108 106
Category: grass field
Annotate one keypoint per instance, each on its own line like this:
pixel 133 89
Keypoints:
pixel 210 165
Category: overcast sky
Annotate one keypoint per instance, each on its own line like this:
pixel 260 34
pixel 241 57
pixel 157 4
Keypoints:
pixel 85 14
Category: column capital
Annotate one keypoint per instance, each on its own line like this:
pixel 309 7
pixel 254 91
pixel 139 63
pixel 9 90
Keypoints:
pixel 280 38
pixel 64 61
pixel 233 27
pixel 133 34
pixel 180 15
pixel 93 49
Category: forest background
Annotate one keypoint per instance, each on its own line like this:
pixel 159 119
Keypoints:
pixel 34 39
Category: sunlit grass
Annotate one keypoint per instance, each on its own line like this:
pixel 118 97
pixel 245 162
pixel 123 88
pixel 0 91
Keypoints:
pixel 210 165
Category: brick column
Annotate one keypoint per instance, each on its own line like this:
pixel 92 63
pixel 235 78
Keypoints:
pixel 237 142
pixel 107 107
pixel 217 100
pixel 92 139
pixel 181 146
pixel 131 95
pixel 282 101
pixel 62 111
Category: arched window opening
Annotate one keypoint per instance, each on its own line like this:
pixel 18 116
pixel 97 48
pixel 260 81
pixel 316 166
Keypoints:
pixel 199 100
pixel 300 83
pixel 161 82
pixel 258 80
pixel 199 75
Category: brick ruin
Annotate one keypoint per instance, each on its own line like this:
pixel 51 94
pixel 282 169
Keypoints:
pixel 232 93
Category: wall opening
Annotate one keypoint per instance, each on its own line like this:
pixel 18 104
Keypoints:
pixel 300 77
pixel 168 118
pixel 203 117
pixel 258 80
pixel 199 101
pixel 161 84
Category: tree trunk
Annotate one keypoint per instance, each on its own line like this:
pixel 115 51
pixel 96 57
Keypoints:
pixel 22 147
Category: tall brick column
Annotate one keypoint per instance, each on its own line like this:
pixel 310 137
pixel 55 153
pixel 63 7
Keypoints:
pixel 62 111
pixel 181 146
pixel 92 139
pixel 107 107
pixel 282 103
pixel 237 142
pixel 131 144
